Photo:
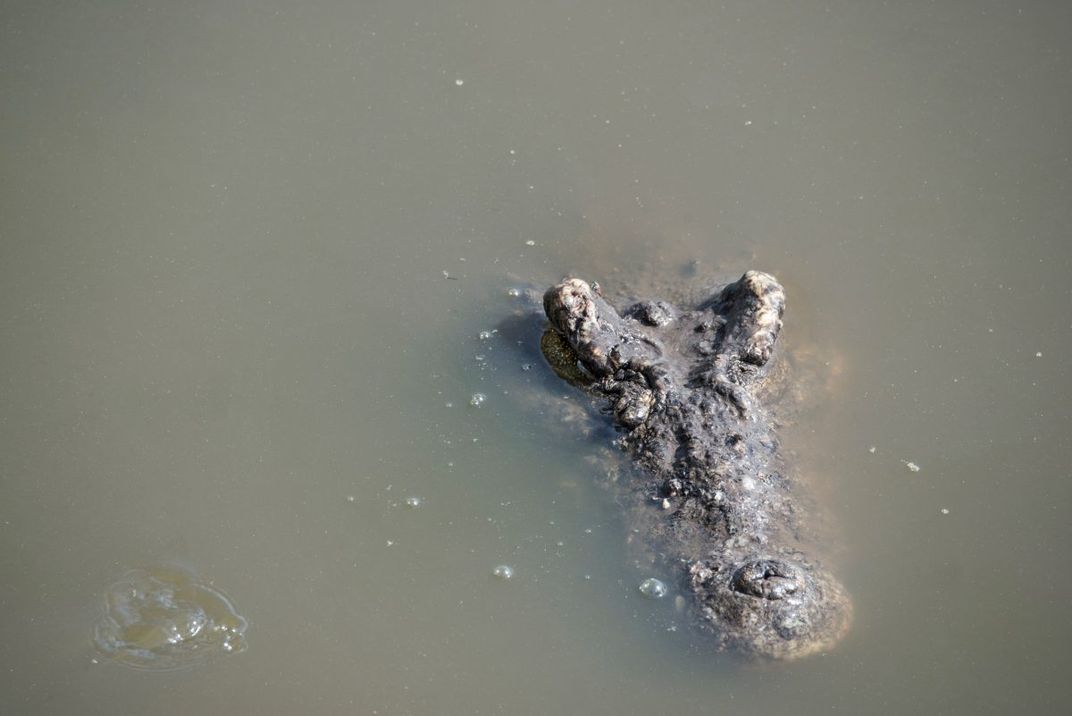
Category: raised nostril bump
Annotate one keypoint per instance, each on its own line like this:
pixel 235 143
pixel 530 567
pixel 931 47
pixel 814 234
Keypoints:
pixel 766 579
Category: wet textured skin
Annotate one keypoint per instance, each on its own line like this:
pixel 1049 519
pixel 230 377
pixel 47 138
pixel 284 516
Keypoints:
pixel 681 386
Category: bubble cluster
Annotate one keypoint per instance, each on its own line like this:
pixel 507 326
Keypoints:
pixel 503 571
pixel 164 618
pixel 477 399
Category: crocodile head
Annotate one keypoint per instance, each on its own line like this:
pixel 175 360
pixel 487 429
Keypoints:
pixel 771 606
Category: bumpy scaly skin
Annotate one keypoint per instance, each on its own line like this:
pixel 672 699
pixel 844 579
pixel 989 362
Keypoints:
pixel 681 386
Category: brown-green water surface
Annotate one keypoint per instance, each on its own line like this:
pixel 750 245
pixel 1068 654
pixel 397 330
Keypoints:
pixel 248 251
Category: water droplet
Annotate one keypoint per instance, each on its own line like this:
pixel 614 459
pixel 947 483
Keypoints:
pixel 653 588
pixel 459 82
pixel 503 571
pixel 477 399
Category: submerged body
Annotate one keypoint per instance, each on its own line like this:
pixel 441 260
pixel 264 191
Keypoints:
pixel 682 386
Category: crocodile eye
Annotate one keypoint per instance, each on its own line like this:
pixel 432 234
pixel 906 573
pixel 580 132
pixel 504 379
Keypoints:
pixel 766 579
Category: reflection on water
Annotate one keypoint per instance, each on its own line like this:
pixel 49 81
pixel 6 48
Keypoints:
pixel 163 618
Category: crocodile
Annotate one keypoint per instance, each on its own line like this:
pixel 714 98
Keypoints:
pixel 685 389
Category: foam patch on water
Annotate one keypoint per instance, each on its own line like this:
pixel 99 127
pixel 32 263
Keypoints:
pixel 163 618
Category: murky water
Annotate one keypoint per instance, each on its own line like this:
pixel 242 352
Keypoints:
pixel 247 251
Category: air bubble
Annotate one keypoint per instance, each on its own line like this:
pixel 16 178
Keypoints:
pixel 477 399
pixel 653 588
pixel 503 571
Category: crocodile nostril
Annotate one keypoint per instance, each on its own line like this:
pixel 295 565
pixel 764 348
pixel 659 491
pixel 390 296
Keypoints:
pixel 767 579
